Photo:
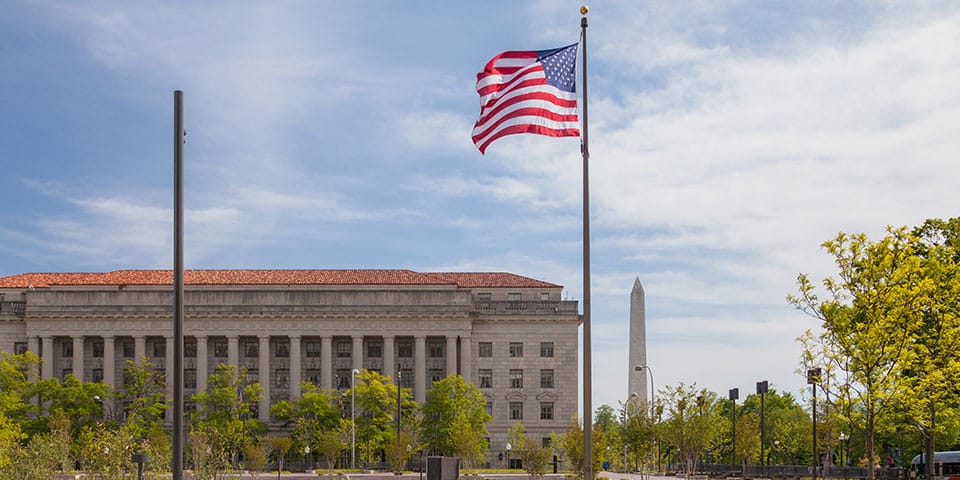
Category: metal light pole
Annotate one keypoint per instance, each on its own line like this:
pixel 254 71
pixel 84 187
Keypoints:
pixel 734 394
pixel 399 374
pixel 353 418
pixel 813 378
pixel 844 452
pixel 761 390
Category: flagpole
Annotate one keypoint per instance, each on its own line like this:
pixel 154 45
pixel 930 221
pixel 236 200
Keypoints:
pixel 587 363
pixel 177 367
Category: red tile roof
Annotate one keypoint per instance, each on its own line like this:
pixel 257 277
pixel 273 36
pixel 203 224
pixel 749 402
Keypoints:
pixel 274 277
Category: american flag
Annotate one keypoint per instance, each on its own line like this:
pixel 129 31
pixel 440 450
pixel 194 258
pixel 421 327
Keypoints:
pixel 528 92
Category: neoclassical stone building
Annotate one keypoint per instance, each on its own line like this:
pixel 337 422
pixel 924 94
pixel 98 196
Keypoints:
pixel 512 336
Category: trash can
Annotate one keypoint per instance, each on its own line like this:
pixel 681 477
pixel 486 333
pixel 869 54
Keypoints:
pixel 443 468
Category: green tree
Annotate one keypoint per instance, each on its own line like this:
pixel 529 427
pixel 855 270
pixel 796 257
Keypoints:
pixel 533 456
pixel 399 451
pixel 144 395
pixel 571 443
pixel 931 374
pixel 225 407
pixel 209 451
pixel 10 436
pixel 638 432
pixel 454 415
pixel 279 446
pixel 868 317
pixel 255 457
pixel 376 410
pixel 329 444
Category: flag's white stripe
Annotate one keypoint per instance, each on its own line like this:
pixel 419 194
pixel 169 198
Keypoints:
pixel 529 120
pixel 534 69
pixel 513 62
pixel 485 123
pixel 513 93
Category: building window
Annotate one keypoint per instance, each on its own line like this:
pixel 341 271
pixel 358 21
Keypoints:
pixel 66 371
pixel 516 378
pixel 253 375
pixel 283 350
pixel 406 378
pixel 190 348
pixel 483 297
pixel 435 374
pixel 344 350
pixel 19 348
pixel 485 349
pixel 435 349
pixel 127 348
pixel 546 442
pixel 546 378
pixel 343 378
pixel 313 349
pixel 546 411
pixel 546 349
pixel 486 378
pixel 544 296
pixel 159 349
pixel 374 350
pixel 282 378
pixel 67 349
pixel 189 378
pixel 516 410
pixel 516 349
pixel 490 408
pixel 97 375
pixel 98 349
pixel 220 349
pixel 405 349
pixel 251 348
pixel 514 297
pixel 313 376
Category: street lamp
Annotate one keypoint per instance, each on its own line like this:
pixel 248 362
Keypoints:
pixel 306 453
pixel 107 409
pixel 844 450
pixel 508 447
pixel 653 403
pixel 353 418
pixel 761 390
pixel 813 378
pixel 399 375
pixel 734 394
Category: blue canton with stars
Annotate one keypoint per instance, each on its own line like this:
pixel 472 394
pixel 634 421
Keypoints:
pixel 559 67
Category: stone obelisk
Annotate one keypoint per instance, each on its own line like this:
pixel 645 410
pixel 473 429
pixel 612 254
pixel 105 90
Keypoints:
pixel 636 377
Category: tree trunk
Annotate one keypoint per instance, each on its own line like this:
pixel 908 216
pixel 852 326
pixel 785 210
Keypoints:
pixel 931 442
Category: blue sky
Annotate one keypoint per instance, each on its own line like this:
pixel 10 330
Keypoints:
pixel 728 140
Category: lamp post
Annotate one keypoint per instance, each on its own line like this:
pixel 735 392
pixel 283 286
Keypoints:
pixel 353 418
pixel 734 394
pixel 508 447
pixel 399 375
pixel 761 390
pixel 107 409
pixel 844 451
pixel 813 378
pixel 653 403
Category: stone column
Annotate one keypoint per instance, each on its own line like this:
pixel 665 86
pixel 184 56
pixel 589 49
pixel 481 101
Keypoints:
pixel 389 360
pixel 420 368
pixel 451 355
pixel 263 369
pixel 233 350
pixel 357 353
pixel 139 347
pixel 326 362
pixel 78 357
pixel 168 375
pixel 109 360
pixel 466 357
pixel 33 344
pixel 202 363
pixel 294 367
pixel 46 369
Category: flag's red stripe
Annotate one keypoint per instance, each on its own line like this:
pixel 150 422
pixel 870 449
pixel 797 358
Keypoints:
pixel 492 67
pixel 531 75
pixel 525 112
pixel 486 113
pixel 529 128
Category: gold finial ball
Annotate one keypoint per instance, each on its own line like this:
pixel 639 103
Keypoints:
pixel 584 9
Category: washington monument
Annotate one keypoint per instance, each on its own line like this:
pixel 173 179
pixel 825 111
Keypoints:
pixel 637 376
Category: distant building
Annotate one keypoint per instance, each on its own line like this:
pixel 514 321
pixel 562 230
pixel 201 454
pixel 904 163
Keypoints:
pixel 512 336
